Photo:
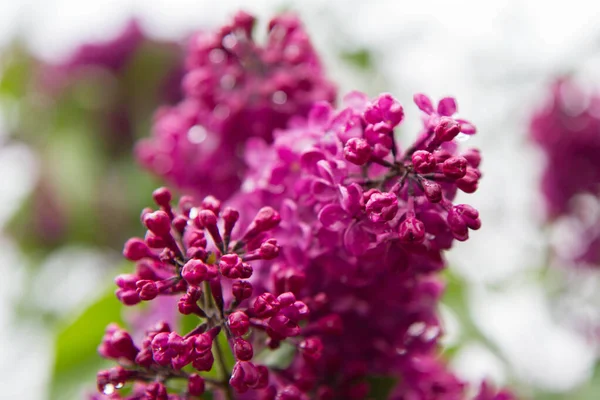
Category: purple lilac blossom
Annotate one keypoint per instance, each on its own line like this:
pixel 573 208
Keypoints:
pixel 567 129
pixel 234 89
pixel 364 224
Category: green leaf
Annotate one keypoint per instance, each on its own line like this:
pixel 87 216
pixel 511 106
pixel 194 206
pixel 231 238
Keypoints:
pixel 76 359
pixel 280 358
pixel 360 58
pixel 381 387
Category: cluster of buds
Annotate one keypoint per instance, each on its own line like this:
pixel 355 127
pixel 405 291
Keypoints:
pixel 234 89
pixel 191 252
pixel 421 180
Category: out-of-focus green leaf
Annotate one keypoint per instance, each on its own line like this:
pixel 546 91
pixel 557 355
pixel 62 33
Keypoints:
pixel 280 358
pixel 360 58
pixel 381 387
pixel 76 359
pixel 14 72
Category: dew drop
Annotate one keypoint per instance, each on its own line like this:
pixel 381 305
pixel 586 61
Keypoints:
pixel 197 134
pixel 108 389
pixel 462 137
pixel 279 97
pixel 431 333
pixel 119 385
pixel 416 329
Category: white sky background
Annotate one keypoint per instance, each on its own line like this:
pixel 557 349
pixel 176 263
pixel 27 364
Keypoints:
pixel 495 56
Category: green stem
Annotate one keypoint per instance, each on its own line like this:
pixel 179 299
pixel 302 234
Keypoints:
pixel 223 373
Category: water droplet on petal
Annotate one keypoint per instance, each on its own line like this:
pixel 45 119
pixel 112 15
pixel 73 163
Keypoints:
pixel 119 385
pixel 108 389
pixel 416 329
pixel 431 333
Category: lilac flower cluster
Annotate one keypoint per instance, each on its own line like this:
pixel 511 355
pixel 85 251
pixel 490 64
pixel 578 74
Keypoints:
pixel 567 129
pixel 329 252
pixel 365 222
pixel 234 89
pixel 190 252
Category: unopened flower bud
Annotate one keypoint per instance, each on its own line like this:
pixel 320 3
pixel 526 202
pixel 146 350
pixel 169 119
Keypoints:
pixel 357 151
pixel 423 162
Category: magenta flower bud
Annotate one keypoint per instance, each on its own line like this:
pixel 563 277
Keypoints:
pixel 265 305
pixel 161 351
pixel 212 204
pixel 266 219
pixel 384 109
pixel 146 290
pixel 162 196
pixel 144 358
pixel 461 218
pixel 180 223
pixel 196 385
pixel 203 342
pixel 237 380
pixel 126 281
pixel 154 241
pixel 290 392
pixel 159 223
pixel 357 151
pixel 382 207
pixel 194 272
pixel 239 323
pixel 269 249
pixel 194 238
pixel 185 306
pixel 288 279
pixel 156 391
pixel 241 290
pixel 473 157
pixel 207 218
pixel 128 297
pixel 446 129
pixel 242 350
pixel 432 190
pixel 231 266
pixel 263 377
pixel 411 230
pixel 423 162
pixel 311 348
pixel 284 326
pixel 203 361
pixel 455 167
pixel 286 299
pixel 470 182
pixel 301 308
pixel 135 249
pixel 423 102
pixel 230 216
